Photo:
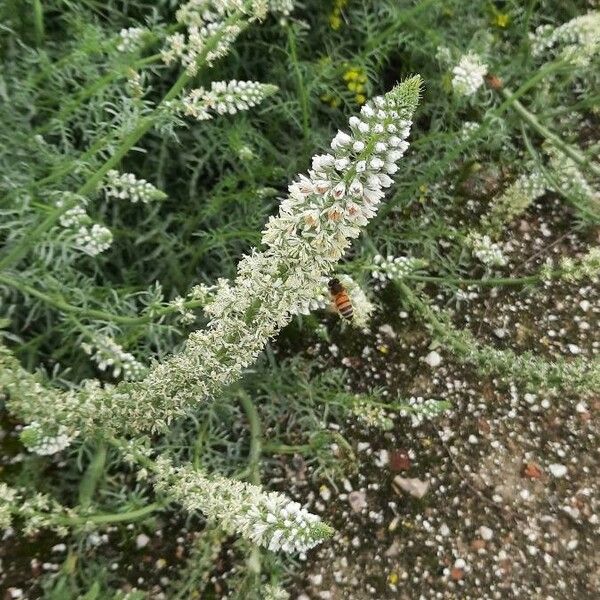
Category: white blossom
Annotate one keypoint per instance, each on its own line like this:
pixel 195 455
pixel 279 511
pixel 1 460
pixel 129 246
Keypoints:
pixel 93 240
pixel 281 7
pixel 577 41
pixel 468 129
pixel 488 252
pixel 225 97
pixel 267 519
pixel 570 179
pixel 517 197
pixel 40 442
pixel 211 28
pixel 126 186
pixel 74 217
pixel 131 39
pixel 302 243
pixel 107 354
pixel 273 592
pixel 469 74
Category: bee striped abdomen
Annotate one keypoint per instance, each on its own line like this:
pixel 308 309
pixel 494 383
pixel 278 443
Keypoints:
pixel 344 306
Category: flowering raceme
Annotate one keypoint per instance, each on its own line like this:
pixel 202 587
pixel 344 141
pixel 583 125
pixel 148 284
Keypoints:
pixel 225 97
pixel 267 519
pixel 324 211
pixel 126 186
pixel 212 27
pixel 577 41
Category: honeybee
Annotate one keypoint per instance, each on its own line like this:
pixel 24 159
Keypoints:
pixel 340 298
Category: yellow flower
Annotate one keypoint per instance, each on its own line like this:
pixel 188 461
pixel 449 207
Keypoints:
pixel 501 19
pixel 393 578
pixel 335 21
pixel 360 98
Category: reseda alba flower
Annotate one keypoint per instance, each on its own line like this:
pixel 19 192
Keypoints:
pixel 324 211
pixel 131 39
pixel 468 74
pixel 93 240
pixel 40 442
pixel 225 97
pixel 126 186
pixel 577 41
pixel 267 519
pixel 488 252
pixel 212 27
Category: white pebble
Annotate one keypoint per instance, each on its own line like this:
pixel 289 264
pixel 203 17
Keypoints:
pixel 433 359
pixel 558 470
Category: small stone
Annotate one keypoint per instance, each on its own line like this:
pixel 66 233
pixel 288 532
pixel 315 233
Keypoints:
pixel 382 458
pixel 557 470
pixel 574 348
pixel 357 501
pixel 477 544
pixel 457 574
pixel 433 359
pixel 413 486
pixel 486 533
pixel 387 330
pixel 399 460
pixel 531 471
pixel 142 540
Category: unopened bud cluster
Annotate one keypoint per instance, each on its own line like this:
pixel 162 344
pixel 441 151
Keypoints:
pixel 225 97
pixel 109 355
pixel 487 251
pixel 574 270
pixel 131 39
pixel 40 442
pixel 372 415
pixel 570 180
pixel 394 268
pixel 126 186
pixel 91 238
pixel 514 200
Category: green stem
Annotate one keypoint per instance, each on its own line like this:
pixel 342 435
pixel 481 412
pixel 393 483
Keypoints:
pixel 301 89
pixel 89 482
pixel 106 518
pixel 38 22
pixel 274 448
pixel 255 437
pixel 554 139
pixel 494 281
